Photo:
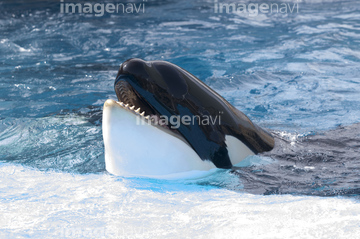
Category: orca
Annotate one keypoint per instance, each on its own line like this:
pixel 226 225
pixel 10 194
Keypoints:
pixel 167 122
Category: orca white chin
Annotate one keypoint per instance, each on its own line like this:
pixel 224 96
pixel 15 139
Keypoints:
pixel 135 147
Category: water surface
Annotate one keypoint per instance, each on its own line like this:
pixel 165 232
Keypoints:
pixel 296 74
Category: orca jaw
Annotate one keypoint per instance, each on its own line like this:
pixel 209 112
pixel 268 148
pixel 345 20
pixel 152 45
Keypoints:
pixel 136 147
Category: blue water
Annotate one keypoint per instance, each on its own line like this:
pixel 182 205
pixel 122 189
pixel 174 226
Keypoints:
pixel 296 73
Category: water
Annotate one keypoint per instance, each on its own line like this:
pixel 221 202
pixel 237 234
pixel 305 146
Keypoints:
pixel 296 74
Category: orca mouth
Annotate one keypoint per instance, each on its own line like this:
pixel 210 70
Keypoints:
pixel 130 99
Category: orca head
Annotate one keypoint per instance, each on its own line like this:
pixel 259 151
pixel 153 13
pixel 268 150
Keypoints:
pixel 166 121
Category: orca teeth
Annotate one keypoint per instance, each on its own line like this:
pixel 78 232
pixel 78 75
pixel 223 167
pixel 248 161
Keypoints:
pixel 137 111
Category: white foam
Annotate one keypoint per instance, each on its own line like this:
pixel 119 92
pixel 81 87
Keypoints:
pixel 52 205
